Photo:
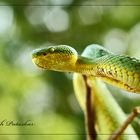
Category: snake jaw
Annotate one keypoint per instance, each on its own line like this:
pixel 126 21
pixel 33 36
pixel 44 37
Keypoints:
pixel 36 62
pixel 41 63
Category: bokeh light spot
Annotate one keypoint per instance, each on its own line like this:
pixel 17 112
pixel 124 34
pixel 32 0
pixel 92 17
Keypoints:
pixel 6 18
pixel 57 20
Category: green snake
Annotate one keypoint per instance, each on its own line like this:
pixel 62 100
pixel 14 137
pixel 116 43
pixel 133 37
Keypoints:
pixel 118 70
pixel 95 63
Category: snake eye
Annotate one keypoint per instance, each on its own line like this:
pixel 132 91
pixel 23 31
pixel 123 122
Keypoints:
pixel 51 49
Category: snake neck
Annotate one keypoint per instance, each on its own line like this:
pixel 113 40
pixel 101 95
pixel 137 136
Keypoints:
pixel 85 66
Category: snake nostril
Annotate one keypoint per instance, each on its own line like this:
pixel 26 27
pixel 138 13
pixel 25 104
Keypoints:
pixel 44 53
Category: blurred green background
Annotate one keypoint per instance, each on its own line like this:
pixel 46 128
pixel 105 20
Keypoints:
pixel 47 98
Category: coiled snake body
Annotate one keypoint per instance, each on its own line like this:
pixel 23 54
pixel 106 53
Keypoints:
pixel 95 61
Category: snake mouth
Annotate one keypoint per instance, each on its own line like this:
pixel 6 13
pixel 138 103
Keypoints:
pixel 37 62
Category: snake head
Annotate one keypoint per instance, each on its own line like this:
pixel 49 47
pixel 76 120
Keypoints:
pixel 58 58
